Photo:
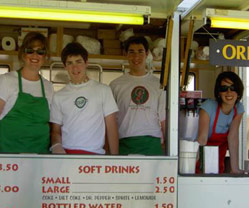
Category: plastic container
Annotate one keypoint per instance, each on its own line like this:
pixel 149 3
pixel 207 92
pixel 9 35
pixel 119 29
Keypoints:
pixel 188 155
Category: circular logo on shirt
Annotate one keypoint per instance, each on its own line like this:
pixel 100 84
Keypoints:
pixel 80 102
pixel 139 95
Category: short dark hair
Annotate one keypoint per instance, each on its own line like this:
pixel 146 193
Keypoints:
pixel 239 87
pixel 136 40
pixel 73 49
pixel 29 40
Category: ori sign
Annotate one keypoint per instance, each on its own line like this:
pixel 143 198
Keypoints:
pixel 229 52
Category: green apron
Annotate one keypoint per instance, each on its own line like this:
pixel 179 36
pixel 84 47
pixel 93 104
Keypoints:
pixel 25 128
pixel 145 145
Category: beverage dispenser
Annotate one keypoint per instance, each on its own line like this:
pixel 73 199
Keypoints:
pixel 190 102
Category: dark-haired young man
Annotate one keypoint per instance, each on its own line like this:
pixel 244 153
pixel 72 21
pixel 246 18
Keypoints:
pixel 141 102
pixel 83 111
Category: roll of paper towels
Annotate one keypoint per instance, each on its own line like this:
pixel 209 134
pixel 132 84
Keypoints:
pixel 8 44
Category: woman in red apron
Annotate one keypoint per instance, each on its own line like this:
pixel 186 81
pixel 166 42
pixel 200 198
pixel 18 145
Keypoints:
pixel 24 108
pixel 219 120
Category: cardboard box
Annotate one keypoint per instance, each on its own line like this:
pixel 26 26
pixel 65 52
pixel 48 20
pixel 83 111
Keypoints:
pixel 112 51
pixel 106 34
pixel 111 44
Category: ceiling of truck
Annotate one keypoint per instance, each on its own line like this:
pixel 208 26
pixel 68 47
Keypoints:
pixel 159 8
pixel 164 8
pixel 198 11
pixel 218 4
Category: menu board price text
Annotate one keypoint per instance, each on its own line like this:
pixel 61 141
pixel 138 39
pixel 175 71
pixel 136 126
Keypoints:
pixel 9 167
pixel 84 182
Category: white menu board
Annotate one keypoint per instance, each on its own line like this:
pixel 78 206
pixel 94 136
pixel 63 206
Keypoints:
pixel 49 181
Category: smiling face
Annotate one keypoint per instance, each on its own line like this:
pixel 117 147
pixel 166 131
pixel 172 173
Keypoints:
pixel 228 97
pixel 34 61
pixel 76 67
pixel 137 55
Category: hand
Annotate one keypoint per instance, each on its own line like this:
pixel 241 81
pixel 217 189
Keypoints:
pixel 58 150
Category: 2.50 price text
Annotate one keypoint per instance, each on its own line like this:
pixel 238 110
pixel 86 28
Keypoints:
pixel 164 189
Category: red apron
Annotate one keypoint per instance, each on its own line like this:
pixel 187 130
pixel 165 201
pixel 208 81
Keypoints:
pixel 218 140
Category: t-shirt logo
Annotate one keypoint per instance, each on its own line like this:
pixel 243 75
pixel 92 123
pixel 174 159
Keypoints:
pixel 80 102
pixel 139 95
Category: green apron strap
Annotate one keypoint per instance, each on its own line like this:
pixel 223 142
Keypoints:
pixel 20 80
pixel 20 83
pixel 42 86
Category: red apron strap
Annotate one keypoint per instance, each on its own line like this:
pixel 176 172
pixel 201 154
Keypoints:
pixel 217 116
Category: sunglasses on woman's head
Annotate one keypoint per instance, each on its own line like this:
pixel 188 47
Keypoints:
pixel 38 51
pixel 225 88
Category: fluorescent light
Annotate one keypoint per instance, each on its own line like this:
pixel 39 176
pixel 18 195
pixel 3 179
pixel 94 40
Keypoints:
pixel 231 19
pixel 70 15
pixel 229 23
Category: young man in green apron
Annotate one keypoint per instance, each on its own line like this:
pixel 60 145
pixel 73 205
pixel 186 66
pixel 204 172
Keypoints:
pixel 141 103
pixel 24 101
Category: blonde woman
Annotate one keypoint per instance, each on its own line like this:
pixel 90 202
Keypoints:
pixel 24 101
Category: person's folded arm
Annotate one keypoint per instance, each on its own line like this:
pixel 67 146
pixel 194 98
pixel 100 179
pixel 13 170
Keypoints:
pixel 56 139
pixel 204 121
pixel 163 128
pixel 2 104
pixel 112 133
pixel 233 144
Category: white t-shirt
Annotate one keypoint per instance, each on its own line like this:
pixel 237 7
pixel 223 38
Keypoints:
pixel 9 90
pixel 141 105
pixel 81 111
